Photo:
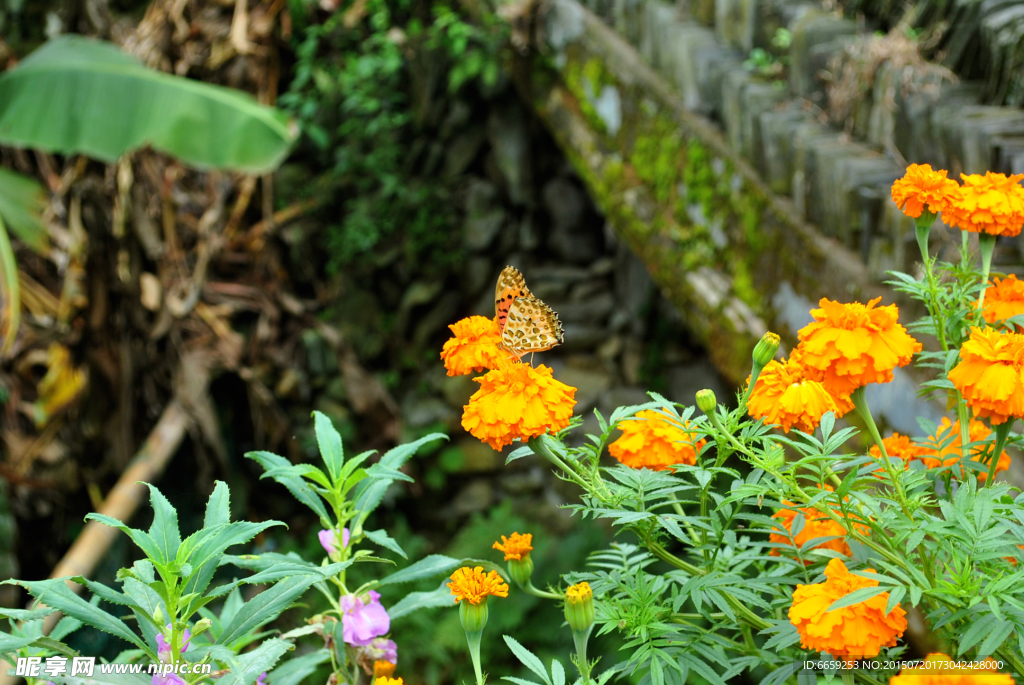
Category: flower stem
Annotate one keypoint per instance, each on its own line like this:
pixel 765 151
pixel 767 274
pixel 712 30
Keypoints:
pixel 1002 433
pixel 473 639
pixel 529 588
pixel 860 402
pixel 922 228
pixel 539 447
pixel 986 244
pixel 579 638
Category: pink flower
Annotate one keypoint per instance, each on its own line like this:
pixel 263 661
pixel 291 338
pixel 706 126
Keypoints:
pixel 364 619
pixel 381 649
pixel 164 648
pixel 262 679
pixel 329 540
pixel 168 679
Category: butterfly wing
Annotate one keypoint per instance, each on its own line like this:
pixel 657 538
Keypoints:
pixel 510 286
pixel 532 326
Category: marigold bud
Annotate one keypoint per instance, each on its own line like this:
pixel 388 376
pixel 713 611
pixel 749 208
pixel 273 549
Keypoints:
pixel 707 401
pixel 521 569
pixel 765 349
pixel 579 607
pixel 473 616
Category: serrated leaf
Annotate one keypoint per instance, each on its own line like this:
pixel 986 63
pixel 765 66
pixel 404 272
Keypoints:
pixel 382 538
pixel 295 671
pixel 164 530
pixel 528 659
pixel 329 440
pixel 414 601
pixel 246 668
pixel 265 607
pixel 428 567
pixel 299 488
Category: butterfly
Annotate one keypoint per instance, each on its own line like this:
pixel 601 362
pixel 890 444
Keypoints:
pixel 525 322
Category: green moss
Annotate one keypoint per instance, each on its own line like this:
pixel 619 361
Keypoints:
pixel 585 82
pixel 656 158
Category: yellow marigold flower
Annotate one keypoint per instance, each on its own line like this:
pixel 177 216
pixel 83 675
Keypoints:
pixel 474 586
pixel 580 592
pixel 851 345
pixel 922 187
pixel 655 443
pixel 989 374
pixel 515 547
pixel 786 396
pixel 940 669
pixel 384 680
pixel 854 632
pixel 993 204
pixel 474 347
pixel 935 457
pixel 1004 298
pixel 383 669
pixel 518 401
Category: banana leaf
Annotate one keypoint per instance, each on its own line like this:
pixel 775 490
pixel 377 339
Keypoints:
pixel 79 95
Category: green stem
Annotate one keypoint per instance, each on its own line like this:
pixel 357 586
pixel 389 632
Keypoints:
pixel 1002 433
pixel 473 639
pixel 860 402
pixel 529 588
pixel 540 448
pixel 922 227
pixel 679 510
pixel 964 418
pixel 579 638
pixel 987 244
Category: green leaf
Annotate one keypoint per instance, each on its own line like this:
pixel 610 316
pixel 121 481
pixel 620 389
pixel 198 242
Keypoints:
pixel 218 507
pixel 164 530
pixel 22 201
pixel 53 645
pixel 557 672
pixel 143 540
pixel 246 668
pixel 382 538
pixel 55 593
pixel 427 567
pixel 528 658
pixel 414 601
pixel 98 678
pixel 11 288
pixel 329 441
pixel 265 607
pixel 10 643
pixel 295 671
pixel 856 597
pixel 208 555
pixel 78 95
pixel 299 488
pixel 369 492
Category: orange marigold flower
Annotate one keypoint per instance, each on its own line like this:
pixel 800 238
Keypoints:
pixel 989 374
pixel 851 345
pixel 518 401
pixel 854 632
pixel 950 454
pixel 383 669
pixel 474 586
pixel 515 547
pixel 941 669
pixel 384 680
pixel 1004 298
pixel 652 441
pixel 816 525
pixel 921 187
pixel 786 396
pixel 474 347
pixel 993 204
pixel 898 446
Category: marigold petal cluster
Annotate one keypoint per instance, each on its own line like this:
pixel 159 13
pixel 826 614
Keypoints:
pixel 848 346
pixel 518 401
pixel 654 442
pixel 515 547
pixel 383 669
pixel 786 395
pixel 474 346
pixel 993 204
pixel 853 632
pixel 815 525
pixel 941 669
pixel 898 446
pixel 474 586
pixel 945 448
pixel 924 187
pixel 1004 298
pixel 580 592
pixel 989 374
pixel 384 680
